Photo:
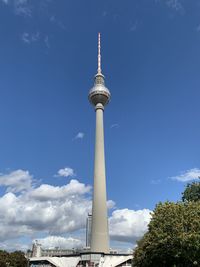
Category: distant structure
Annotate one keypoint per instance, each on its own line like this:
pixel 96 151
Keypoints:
pixel 99 96
pixel 97 251
pixel 36 249
pixel 39 252
pixel 88 230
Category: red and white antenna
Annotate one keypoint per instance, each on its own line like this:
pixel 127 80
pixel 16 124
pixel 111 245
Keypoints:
pixel 99 54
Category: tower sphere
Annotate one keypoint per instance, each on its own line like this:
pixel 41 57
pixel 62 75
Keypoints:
pixel 99 93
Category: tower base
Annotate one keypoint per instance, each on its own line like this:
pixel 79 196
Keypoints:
pixel 83 260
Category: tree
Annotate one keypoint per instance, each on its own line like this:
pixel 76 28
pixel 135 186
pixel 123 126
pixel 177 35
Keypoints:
pixel 14 259
pixel 192 192
pixel 2 263
pixel 17 259
pixel 4 258
pixel 173 237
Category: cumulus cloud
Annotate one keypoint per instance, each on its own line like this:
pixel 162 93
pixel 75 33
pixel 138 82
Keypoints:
pixel 65 172
pixel 79 135
pixel 54 211
pixel 187 176
pixel 51 242
pixel 46 208
pixel 16 181
pixel 25 215
pixel 129 225
pixel 49 192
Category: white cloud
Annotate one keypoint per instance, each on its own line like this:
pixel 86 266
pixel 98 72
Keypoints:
pixel 22 7
pixel 187 176
pixel 49 209
pixel 115 125
pixel 27 8
pixel 54 211
pixel 173 4
pixel 26 38
pixel 16 181
pixel 65 172
pixel 47 192
pixel 79 135
pixel 58 22
pixel 129 225
pixel 29 38
pixel 110 204
pixel 51 242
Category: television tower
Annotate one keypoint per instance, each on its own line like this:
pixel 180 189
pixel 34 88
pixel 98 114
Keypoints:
pixel 99 96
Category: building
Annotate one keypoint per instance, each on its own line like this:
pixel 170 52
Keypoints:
pixel 99 254
pixel 83 260
pixel 37 251
pixel 88 230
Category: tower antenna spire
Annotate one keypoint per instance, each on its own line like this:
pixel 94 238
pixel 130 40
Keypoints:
pixel 99 54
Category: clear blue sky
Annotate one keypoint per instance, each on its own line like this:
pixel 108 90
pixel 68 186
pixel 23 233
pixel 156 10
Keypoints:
pixel 151 60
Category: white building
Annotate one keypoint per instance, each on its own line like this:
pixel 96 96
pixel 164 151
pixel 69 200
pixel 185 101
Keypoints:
pixel 83 260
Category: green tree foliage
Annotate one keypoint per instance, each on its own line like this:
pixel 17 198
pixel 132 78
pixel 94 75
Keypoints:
pixel 13 259
pixel 192 192
pixel 17 259
pixel 173 237
pixel 4 258
pixel 3 264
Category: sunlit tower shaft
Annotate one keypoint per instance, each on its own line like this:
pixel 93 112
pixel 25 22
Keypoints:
pixel 99 96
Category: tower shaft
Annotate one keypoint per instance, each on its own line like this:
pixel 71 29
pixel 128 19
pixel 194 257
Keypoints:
pixel 100 236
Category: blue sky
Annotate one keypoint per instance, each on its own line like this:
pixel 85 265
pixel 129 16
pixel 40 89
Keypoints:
pixel 151 60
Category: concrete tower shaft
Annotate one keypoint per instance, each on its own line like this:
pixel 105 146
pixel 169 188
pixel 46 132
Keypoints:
pixel 100 235
pixel 99 96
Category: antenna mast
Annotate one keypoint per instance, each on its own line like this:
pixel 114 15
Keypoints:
pixel 99 54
